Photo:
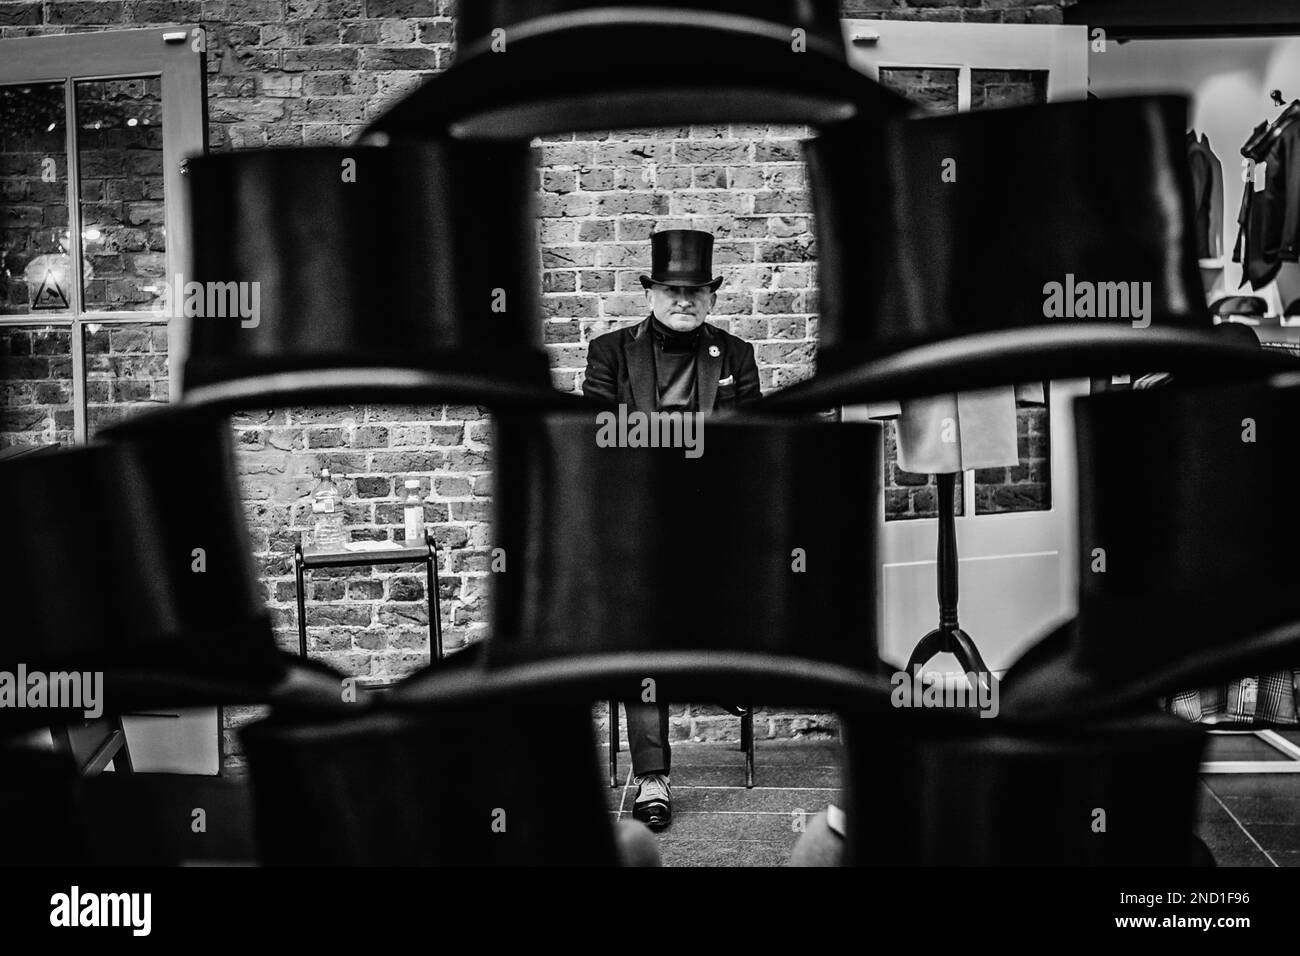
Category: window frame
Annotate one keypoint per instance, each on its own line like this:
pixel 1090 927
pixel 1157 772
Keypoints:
pixel 174 54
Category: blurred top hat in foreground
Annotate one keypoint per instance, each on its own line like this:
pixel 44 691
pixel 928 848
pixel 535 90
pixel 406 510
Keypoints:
pixel 1186 549
pixel 470 780
pixel 751 546
pixel 950 260
pixel 367 274
pixel 133 561
pixel 1006 793
pixel 526 68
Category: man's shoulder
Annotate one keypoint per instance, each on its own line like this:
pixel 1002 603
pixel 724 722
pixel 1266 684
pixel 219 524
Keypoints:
pixel 614 337
pixel 731 341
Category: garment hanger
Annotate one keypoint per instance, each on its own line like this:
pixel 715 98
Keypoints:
pixel 1266 134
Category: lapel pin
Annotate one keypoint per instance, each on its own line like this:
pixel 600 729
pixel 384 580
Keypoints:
pixel 714 351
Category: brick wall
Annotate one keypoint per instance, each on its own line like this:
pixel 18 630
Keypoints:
pixel 307 72
pixel 371 622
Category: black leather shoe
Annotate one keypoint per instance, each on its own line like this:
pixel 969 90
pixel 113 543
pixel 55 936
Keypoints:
pixel 653 805
pixel 653 813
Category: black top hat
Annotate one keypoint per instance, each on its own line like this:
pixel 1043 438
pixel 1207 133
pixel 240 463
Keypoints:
pixel 150 578
pixel 681 257
pixel 530 67
pixel 381 273
pixel 760 569
pixel 396 789
pixel 1186 570
pixel 950 262
pixel 1003 793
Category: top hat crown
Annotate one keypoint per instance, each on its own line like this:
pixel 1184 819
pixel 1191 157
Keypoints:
pixel 579 548
pixel 946 258
pixel 1185 576
pixel 533 67
pixel 681 257
pixel 820 19
pixel 161 634
pixel 369 258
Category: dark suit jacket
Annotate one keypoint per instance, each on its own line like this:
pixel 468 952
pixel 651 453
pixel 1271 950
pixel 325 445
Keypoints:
pixel 1269 221
pixel 1207 196
pixel 621 369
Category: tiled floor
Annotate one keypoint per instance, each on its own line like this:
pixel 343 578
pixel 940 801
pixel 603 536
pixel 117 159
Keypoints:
pixel 1250 819
pixel 718 822
pixel 1245 819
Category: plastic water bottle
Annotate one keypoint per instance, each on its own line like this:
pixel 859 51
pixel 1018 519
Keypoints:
pixel 327 513
pixel 413 512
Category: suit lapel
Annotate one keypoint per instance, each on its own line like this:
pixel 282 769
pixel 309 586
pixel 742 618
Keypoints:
pixel 708 365
pixel 639 351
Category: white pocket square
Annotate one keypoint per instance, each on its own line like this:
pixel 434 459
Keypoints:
pixel 729 380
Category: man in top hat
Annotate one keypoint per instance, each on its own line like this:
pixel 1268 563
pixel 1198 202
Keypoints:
pixel 672 361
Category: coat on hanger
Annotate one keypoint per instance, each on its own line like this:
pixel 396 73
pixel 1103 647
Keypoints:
pixel 1269 220
pixel 1207 196
pixel 956 431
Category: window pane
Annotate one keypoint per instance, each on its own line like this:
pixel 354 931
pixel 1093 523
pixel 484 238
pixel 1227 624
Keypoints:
pixel 36 404
pixel 34 274
pixel 907 494
pixel 991 89
pixel 936 90
pixel 120 160
pixel 1027 486
pixel 126 371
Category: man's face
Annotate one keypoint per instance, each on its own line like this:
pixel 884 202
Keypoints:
pixel 681 307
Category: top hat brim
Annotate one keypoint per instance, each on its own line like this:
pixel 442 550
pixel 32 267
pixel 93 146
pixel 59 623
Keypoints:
pixel 678 675
pixel 587 71
pixel 1047 683
pixel 276 385
pixel 378 383
pixel 299 686
pixel 714 283
pixel 1029 353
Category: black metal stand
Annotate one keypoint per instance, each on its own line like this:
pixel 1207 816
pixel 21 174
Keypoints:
pixel 397 554
pixel 948 637
pixel 747 742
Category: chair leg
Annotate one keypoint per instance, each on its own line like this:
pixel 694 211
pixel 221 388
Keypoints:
pixel 122 762
pixel 112 748
pixel 747 743
pixel 62 738
pixel 613 744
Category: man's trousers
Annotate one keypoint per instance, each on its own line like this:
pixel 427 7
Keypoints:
pixel 647 737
